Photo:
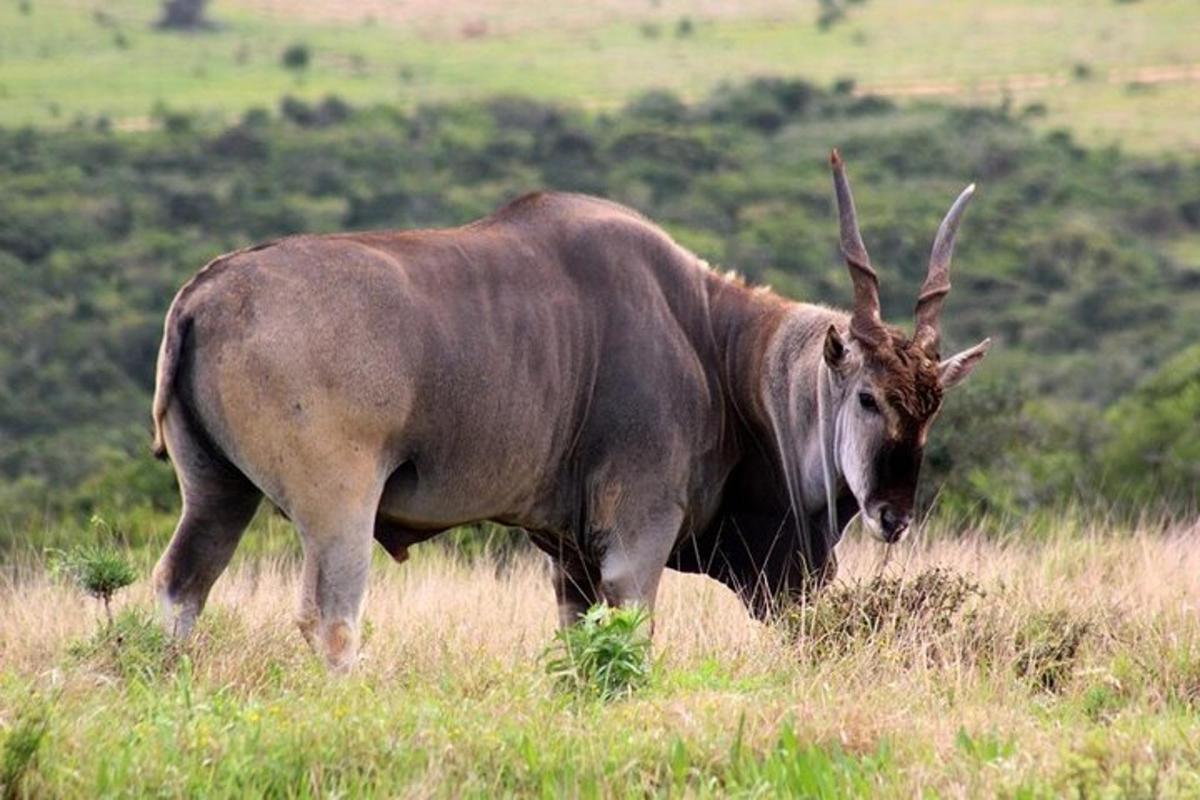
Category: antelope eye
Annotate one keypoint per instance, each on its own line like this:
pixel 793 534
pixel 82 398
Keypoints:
pixel 867 401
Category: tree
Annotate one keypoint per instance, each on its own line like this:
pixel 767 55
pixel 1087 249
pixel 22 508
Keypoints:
pixel 184 15
pixel 99 570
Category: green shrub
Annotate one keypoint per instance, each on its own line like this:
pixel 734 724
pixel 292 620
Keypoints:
pixel 296 57
pixel 96 569
pixel 1101 702
pixel 606 654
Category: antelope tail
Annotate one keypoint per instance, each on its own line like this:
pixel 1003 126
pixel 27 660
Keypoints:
pixel 174 332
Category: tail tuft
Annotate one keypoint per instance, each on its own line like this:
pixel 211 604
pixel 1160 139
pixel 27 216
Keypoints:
pixel 174 331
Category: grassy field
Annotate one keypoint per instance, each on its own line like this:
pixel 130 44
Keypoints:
pixel 1072 670
pixel 1061 658
pixel 1110 71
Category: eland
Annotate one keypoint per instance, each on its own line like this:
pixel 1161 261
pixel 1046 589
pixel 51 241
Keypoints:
pixel 561 366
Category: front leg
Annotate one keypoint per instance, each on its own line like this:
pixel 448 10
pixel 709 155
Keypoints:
pixel 636 549
pixel 576 588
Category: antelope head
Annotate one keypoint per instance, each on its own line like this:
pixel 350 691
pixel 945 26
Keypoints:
pixel 884 389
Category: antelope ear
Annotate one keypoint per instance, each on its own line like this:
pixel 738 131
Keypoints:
pixel 955 369
pixel 835 349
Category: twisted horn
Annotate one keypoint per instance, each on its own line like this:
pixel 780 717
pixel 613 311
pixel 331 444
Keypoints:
pixel 937 282
pixel 865 322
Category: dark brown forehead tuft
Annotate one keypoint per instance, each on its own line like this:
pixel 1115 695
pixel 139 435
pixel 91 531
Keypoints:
pixel 907 375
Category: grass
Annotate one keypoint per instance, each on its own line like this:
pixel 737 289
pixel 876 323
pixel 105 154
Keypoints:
pixel 65 59
pixel 943 691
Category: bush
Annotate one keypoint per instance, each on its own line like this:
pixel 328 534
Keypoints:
pixel 98 570
pixel 296 57
pixel 606 654
pixel 844 617
pixel 657 105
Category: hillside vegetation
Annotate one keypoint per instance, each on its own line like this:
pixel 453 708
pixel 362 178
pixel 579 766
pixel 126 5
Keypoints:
pixel 1079 263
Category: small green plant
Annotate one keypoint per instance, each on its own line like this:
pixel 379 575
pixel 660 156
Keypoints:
pixel 605 654
pixel 99 570
pixel 1101 702
pixel 987 746
pixel 21 748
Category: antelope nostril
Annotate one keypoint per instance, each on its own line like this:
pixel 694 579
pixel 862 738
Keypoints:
pixel 893 522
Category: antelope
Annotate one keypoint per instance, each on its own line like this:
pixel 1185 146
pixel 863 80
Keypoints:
pixel 562 366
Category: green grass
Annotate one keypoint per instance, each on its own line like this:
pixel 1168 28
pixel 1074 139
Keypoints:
pixel 63 61
pixel 935 695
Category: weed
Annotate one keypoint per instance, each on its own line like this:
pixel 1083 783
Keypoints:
pixel 986 747
pixel 1101 702
pixel 606 653
pixel 846 616
pixel 1096 769
pixel 1047 646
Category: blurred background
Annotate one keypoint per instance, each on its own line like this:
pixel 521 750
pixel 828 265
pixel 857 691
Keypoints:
pixel 140 138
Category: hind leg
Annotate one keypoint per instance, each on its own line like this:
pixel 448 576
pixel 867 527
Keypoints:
pixel 337 558
pixel 338 535
pixel 218 503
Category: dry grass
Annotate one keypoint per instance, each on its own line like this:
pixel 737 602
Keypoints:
pixel 452 667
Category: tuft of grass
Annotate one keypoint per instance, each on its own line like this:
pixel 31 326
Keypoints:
pixel 797 768
pixel 20 750
pixel 986 747
pixel 1101 702
pixel 133 647
pixel 845 616
pixel 606 654
pixel 1047 646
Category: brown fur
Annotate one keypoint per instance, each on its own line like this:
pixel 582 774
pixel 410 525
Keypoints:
pixel 907 375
